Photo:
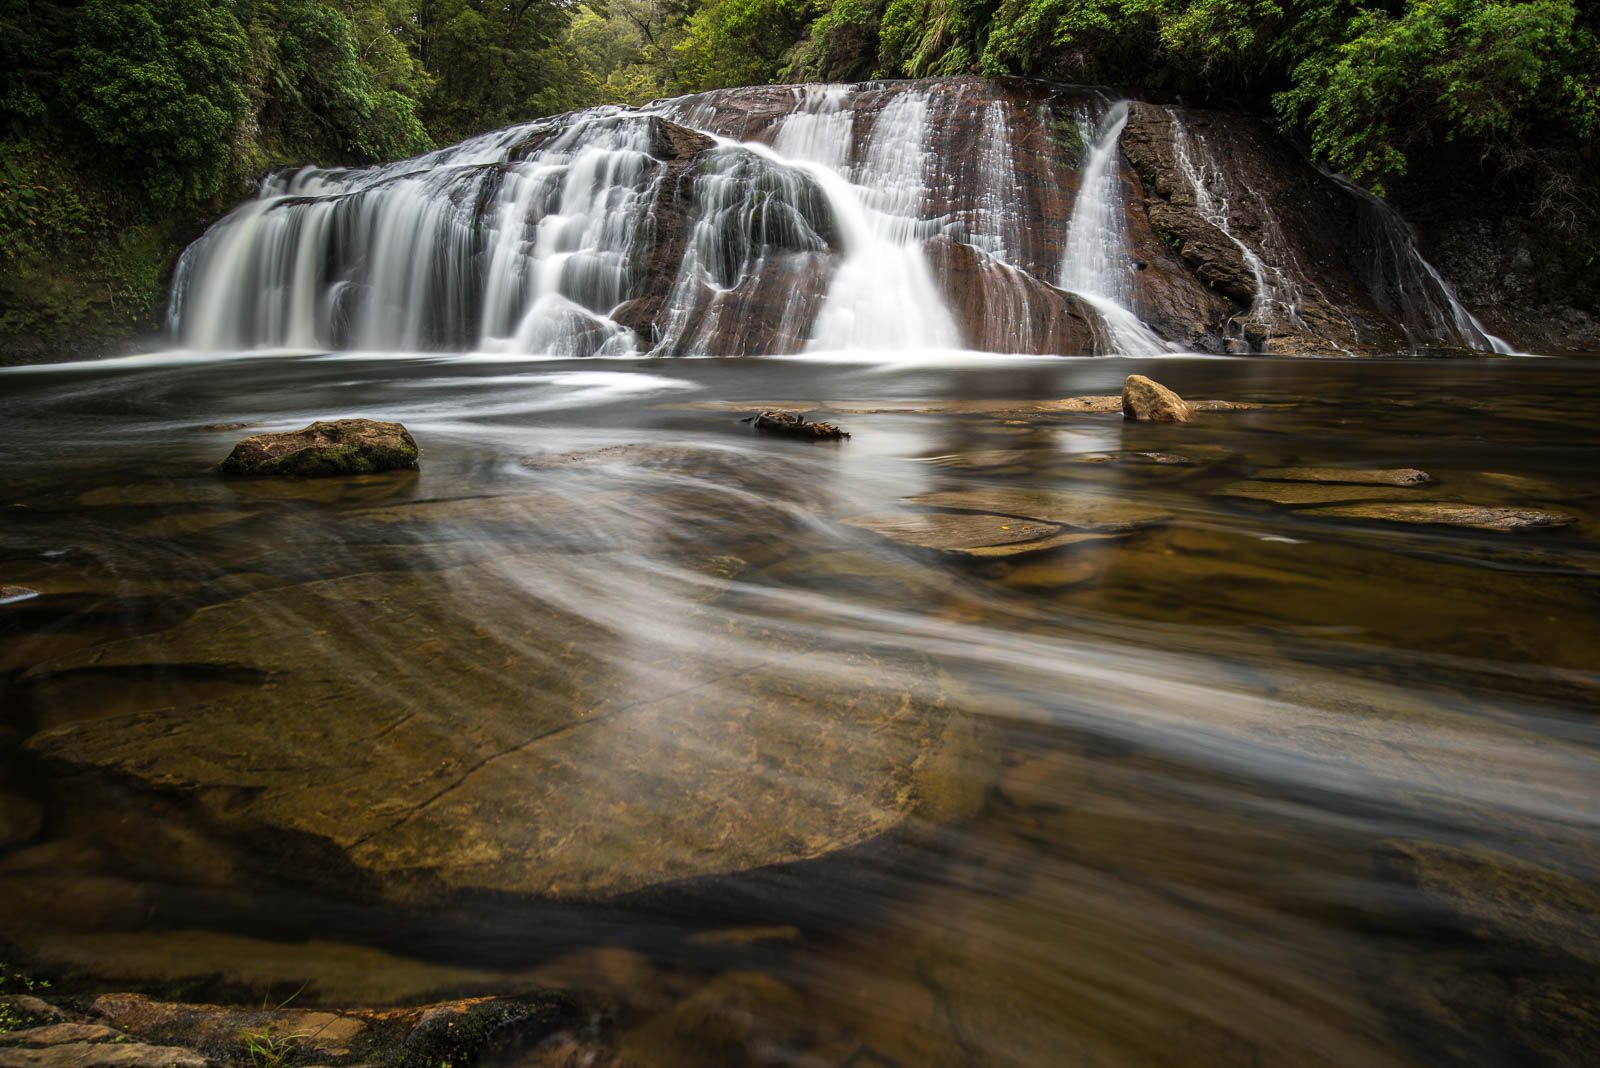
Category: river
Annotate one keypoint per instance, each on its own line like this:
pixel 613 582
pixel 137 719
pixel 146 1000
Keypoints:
pixel 1248 781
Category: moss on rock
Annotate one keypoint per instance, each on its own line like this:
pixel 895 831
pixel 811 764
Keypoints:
pixel 340 447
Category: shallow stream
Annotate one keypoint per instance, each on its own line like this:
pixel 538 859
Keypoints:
pixel 1249 782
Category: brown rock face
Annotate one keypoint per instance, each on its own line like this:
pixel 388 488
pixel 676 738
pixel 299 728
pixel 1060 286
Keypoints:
pixel 1328 276
pixel 1148 401
pixel 340 447
pixel 1001 308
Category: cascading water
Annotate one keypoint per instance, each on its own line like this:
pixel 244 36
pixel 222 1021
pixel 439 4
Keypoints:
pixel 883 296
pixel 472 246
pixel 755 220
pixel 874 218
pixel 1410 288
pixel 1097 265
pixel 1276 304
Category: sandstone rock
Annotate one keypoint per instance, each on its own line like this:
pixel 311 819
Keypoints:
pixel 1444 513
pixel 1148 401
pixel 1502 898
pixel 102 1055
pixel 340 447
pixel 1399 476
pixel 605 784
pixel 1297 493
pixel 1302 224
pixel 57 1034
pixel 953 533
pixel 9 594
pixel 32 1009
pixel 1001 308
pixel 1055 573
pixel 1075 511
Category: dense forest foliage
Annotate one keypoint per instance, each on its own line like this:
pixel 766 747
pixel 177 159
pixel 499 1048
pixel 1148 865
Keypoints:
pixel 125 124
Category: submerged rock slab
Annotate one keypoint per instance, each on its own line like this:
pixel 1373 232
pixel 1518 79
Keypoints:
pixel 1395 476
pixel 949 532
pixel 500 742
pixel 1444 513
pixel 339 447
pixel 1502 898
pixel 1075 511
pixel 1297 493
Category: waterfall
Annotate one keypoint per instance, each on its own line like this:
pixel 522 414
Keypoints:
pixel 883 296
pixel 876 218
pixel 1407 286
pixel 1097 265
pixel 470 246
pixel 1275 306
pixel 755 219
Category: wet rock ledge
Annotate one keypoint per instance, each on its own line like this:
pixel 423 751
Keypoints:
pixel 134 1031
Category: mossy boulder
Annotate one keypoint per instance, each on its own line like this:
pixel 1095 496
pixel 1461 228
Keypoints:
pixel 339 447
pixel 1148 401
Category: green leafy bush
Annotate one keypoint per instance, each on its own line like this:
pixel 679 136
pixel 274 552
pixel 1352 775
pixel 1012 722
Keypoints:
pixel 157 83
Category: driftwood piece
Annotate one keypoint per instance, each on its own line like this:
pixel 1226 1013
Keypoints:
pixel 790 424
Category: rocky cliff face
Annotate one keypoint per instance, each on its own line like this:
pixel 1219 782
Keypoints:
pixel 943 213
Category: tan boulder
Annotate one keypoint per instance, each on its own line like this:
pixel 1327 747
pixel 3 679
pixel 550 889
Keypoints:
pixel 1148 401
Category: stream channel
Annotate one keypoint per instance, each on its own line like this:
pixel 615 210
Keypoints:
pixel 613 695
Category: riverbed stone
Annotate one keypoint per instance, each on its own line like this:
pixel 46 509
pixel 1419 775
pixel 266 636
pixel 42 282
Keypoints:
pixel 11 594
pixel 552 758
pixel 57 1034
pixel 1304 493
pixel 1395 476
pixel 102 1055
pixel 1074 510
pixel 337 447
pixel 1148 401
pixel 949 532
pixel 1445 513
pixel 1501 898
pixel 33 1010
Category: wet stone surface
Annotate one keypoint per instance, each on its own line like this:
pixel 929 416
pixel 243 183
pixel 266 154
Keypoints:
pixel 650 719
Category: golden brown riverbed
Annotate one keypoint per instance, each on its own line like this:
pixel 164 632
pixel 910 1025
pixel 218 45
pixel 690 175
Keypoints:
pixel 1005 732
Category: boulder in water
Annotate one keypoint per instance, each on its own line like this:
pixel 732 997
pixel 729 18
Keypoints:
pixel 791 425
pixel 339 447
pixel 1148 401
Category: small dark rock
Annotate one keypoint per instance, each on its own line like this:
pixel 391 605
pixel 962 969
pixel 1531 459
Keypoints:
pixel 795 426
pixel 458 1034
pixel 217 427
pixel 340 447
